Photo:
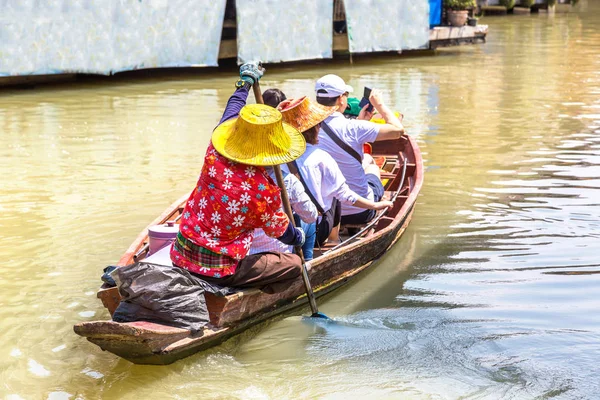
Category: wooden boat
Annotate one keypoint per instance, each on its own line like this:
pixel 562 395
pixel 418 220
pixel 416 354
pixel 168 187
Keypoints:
pixel 151 343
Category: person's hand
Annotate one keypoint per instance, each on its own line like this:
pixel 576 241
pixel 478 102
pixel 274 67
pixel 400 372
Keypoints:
pixel 380 205
pixel 302 238
pixel 364 114
pixel 375 98
pixel 251 72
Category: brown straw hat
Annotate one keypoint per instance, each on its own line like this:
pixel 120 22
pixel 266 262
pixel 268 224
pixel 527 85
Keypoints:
pixel 258 137
pixel 303 114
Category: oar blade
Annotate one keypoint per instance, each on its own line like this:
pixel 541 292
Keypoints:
pixel 314 317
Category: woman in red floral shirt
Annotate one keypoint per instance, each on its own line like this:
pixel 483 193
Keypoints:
pixel 234 195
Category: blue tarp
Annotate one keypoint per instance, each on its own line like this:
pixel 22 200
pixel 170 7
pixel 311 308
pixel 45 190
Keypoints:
pixel 435 12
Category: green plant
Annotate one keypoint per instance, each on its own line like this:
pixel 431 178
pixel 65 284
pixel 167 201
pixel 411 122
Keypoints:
pixel 527 3
pixel 574 2
pixel 551 2
pixel 509 4
pixel 459 5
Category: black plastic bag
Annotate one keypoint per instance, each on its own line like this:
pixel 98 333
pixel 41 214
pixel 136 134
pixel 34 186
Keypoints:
pixel 107 277
pixel 165 295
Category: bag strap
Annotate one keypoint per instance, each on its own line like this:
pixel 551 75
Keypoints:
pixel 294 170
pixel 341 143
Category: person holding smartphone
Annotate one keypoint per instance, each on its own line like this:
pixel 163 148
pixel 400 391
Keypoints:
pixel 344 138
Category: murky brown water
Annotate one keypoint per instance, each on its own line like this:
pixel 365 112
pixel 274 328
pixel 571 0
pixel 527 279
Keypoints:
pixel 492 293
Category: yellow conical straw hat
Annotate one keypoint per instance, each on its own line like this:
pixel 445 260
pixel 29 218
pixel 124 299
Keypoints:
pixel 258 137
pixel 303 114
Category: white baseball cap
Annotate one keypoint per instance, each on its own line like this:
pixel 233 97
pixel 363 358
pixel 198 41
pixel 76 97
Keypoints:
pixel 333 86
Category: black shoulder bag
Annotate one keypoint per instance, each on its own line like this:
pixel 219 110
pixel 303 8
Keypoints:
pixel 341 143
pixel 294 170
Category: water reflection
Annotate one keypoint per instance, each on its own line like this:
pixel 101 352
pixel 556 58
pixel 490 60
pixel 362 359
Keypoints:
pixel 520 272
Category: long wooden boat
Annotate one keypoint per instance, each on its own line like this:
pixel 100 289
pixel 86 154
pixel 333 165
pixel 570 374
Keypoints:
pixel 150 343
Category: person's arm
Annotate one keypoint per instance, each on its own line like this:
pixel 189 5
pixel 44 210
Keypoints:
pixel 235 103
pixel 393 128
pixel 250 73
pixel 292 236
pixel 346 195
pixel 361 202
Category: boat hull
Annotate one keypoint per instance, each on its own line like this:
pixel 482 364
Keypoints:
pixel 149 343
pixel 142 342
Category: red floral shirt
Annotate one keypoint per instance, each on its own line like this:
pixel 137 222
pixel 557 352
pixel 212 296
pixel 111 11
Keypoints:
pixel 229 202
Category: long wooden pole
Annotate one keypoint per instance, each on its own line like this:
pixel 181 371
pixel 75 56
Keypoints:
pixel 288 210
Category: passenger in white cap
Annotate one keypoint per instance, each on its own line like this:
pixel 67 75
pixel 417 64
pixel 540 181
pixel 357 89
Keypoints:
pixel 344 139
pixel 332 86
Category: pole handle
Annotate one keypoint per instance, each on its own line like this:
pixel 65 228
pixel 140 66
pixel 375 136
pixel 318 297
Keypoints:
pixel 288 210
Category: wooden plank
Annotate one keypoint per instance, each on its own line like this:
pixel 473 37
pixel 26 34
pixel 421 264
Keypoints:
pixel 340 42
pixel 339 11
pixel 521 11
pixel 228 49
pixel 439 33
pixel 131 337
pixel 444 36
pixel 229 23
pixel 494 10
pixel 110 298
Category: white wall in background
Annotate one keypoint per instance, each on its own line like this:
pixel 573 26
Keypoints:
pixel 382 25
pixel 276 30
pixel 107 36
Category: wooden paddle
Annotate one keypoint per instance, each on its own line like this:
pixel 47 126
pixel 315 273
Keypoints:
pixel 288 211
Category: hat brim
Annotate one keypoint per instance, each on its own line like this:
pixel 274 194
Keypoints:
pixel 318 114
pixel 271 155
pixel 303 114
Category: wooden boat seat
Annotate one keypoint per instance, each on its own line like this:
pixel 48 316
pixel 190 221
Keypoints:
pixel 353 226
pixel 326 246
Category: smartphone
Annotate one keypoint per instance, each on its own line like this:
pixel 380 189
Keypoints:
pixel 365 100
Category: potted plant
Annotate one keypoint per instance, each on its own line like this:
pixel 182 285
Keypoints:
pixel 458 11
pixel 480 5
pixel 527 3
pixel 509 4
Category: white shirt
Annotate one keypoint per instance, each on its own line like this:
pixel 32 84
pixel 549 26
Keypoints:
pixel 355 133
pixel 323 177
pixel 301 204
